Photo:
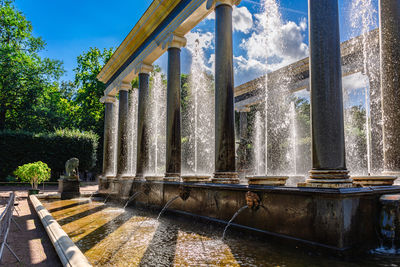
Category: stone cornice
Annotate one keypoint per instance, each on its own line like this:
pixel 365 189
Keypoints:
pixel 174 40
pixel 150 20
pixel 108 99
pixel 125 86
pixel 179 20
pixel 215 3
pixel 144 68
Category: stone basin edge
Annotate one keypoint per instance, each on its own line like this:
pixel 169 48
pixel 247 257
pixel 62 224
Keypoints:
pixel 70 255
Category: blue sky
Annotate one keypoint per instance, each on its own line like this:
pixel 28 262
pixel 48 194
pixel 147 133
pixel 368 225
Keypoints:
pixel 70 27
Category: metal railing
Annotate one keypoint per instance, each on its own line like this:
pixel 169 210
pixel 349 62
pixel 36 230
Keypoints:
pixel 5 220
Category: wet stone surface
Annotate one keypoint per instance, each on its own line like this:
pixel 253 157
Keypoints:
pixel 111 236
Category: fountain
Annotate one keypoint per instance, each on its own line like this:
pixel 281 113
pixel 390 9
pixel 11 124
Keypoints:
pixel 364 13
pixel 199 121
pixel 157 119
pixel 275 98
pixel 326 211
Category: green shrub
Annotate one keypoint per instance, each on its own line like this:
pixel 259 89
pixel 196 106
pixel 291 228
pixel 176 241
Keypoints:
pixel 18 148
pixel 33 173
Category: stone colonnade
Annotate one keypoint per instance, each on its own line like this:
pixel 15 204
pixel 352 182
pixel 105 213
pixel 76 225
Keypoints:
pixel 328 147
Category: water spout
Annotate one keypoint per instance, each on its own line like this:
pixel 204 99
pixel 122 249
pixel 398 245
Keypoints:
pixel 132 198
pixel 231 220
pixel 166 206
pixel 108 195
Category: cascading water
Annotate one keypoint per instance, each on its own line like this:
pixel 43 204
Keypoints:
pixel 113 144
pixel 293 136
pixel 258 144
pixel 198 118
pixel 157 125
pixel 132 126
pixel 363 18
pixel 278 155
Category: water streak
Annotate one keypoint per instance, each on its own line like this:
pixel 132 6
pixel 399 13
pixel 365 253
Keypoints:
pixel 166 206
pixel 105 200
pixel 198 117
pixel 231 220
pixel 132 198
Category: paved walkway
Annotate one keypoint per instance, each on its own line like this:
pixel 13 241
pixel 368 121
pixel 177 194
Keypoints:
pixel 32 245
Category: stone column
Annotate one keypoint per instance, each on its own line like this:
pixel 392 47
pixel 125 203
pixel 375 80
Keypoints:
pixel 142 150
pixel 225 165
pixel 122 152
pixel 243 125
pixel 327 126
pixel 108 147
pixel 389 14
pixel 173 145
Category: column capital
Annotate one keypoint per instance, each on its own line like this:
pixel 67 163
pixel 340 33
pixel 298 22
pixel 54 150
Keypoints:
pixel 143 68
pixel 108 99
pixel 215 3
pixel 173 40
pixel 125 86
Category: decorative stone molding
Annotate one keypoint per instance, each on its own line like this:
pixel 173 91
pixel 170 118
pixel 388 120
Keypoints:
pixel 215 3
pixel 143 68
pixel 108 99
pixel 125 86
pixel 173 40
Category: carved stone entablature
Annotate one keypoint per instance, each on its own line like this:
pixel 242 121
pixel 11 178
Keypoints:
pixel 143 68
pixel 108 99
pixel 173 40
pixel 215 3
pixel 125 86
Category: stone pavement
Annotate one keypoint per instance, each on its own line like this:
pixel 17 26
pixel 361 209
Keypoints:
pixel 32 245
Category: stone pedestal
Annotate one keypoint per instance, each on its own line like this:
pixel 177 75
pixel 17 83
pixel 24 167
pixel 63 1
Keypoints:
pixel 389 223
pixel 371 180
pixel 267 180
pixel 196 178
pixel 68 188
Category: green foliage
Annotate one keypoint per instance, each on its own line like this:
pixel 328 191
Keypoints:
pixel 89 110
pixel 34 173
pixel 54 148
pixel 26 79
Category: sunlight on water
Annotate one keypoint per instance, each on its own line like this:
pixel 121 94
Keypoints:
pixel 108 236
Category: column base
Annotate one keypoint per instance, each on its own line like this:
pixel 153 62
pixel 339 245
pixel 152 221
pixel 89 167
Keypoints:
pixel 172 177
pixel 125 176
pixel 374 180
pixel 196 178
pixel 267 180
pixel 328 179
pixel 139 177
pixel 225 178
pixel 154 178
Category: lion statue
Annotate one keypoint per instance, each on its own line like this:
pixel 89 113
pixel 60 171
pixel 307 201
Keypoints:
pixel 71 168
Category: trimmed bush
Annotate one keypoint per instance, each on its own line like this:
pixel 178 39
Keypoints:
pixel 33 173
pixel 18 148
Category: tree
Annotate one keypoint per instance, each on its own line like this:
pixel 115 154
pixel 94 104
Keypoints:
pixel 33 173
pixel 89 110
pixel 24 75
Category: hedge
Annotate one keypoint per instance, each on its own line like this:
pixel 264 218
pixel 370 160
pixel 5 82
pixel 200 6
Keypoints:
pixel 18 148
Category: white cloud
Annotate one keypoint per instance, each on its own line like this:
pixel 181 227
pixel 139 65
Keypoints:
pixel 197 44
pixel 273 41
pixel 242 20
pixel 355 81
pixel 200 40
